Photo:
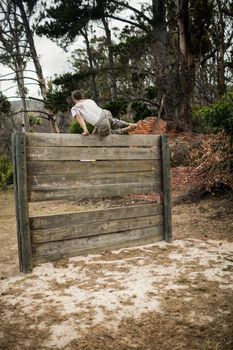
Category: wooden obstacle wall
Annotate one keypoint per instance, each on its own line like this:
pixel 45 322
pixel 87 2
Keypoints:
pixel 66 166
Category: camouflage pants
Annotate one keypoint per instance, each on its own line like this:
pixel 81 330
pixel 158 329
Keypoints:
pixel 109 125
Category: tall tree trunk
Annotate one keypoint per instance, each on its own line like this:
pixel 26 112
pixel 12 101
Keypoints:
pixel 94 90
pixel 221 79
pixel 35 59
pixel 110 59
pixel 20 66
pixel 159 21
pixel 187 61
pixel 21 89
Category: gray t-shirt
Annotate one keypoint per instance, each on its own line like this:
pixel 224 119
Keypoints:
pixel 88 109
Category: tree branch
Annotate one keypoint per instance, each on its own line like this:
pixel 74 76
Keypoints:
pixel 49 116
pixel 121 3
pixel 136 24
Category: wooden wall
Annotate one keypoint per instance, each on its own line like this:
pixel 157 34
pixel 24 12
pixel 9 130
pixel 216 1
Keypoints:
pixel 67 166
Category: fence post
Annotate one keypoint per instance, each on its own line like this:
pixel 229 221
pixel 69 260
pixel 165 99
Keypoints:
pixel 166 189
pixel 22 216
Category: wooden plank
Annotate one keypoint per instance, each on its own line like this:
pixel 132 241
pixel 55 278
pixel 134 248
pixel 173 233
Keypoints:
pixel 84 252
pixel 25 238
pixel 57 181
pixel 92 229
pixel 16 201
pixel 96 167
pixel 91 153
pixel 84 243
pixel 74 140
pixel 92 191
pixel 94 216
pixel 166 189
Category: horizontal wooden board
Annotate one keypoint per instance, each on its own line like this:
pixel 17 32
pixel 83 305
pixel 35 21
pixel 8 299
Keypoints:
pixel 94 216
pixel 92 229
pixel 92 153
pixel 74 140
pixel 89 167
pixel 84 243
pixel 113 246
pixel 92 191
pixel 57 181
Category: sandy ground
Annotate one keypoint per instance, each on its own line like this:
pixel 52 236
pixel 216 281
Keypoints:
pixel 160 296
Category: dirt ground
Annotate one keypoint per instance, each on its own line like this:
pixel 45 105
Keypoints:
pixel 158 296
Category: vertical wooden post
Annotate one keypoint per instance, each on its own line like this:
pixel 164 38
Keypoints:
pixel 16 199
pixel 23 228
pixel 166 189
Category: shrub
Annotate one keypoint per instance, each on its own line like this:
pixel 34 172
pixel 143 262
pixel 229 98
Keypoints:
pixel 75 128
pixel 218 116
pixel 116 107
pixel 6 172
pixel 34 121
pixel 141 111
pixel 213 160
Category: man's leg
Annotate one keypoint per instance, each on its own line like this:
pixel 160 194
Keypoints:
pixel 103 127
pixel 119 126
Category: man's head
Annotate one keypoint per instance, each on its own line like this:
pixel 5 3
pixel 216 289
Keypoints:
pixel 76 95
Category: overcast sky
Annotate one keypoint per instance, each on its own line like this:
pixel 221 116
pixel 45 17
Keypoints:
pixel 53 60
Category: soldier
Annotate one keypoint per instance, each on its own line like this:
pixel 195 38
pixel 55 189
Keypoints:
pixel 86 110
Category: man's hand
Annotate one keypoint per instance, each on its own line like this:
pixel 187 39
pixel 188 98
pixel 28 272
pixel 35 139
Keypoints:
pixel 85 133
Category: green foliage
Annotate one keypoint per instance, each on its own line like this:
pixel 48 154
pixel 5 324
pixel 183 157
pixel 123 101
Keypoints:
pixel 218 116
pixel 34 120
pixel 151 92
pixel 6 172
pixel 75 128
pixel 201 15
pixel 56 100
pixel 117 107
pixel 5 106
pixel 141 111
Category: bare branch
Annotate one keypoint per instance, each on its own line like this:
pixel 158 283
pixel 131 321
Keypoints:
pixel 136 24
pixel 10 79
pixel 49 115
pixel 125 5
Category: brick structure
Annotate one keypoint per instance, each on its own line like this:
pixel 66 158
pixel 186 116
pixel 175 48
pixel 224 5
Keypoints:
pixel 151 125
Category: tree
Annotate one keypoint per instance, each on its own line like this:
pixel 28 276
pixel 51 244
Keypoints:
pixel 26 9
pixel 14 50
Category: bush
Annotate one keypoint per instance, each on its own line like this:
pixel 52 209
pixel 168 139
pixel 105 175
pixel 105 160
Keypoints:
pixel 116 107
pixel 218 116
pixel 75 128
pixel 141 111
pixel 214 162
pixel 6 172
pixel 34 121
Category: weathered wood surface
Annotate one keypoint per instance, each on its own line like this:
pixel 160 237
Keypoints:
pixel 93 191
pixel 22 203
pixel 87 243
pixel 75 167
pixel 75 140
pixel 92 229
pixel 73 180
pixel 124 244
pixel 92 153
pixel 92 167
pixel 16 201
pixel 94 216
pixel 166 189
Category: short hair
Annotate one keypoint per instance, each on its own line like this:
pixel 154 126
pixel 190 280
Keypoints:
pixel 76 95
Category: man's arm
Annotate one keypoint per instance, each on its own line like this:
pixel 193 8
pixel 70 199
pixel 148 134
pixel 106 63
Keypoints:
pixel 82 123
